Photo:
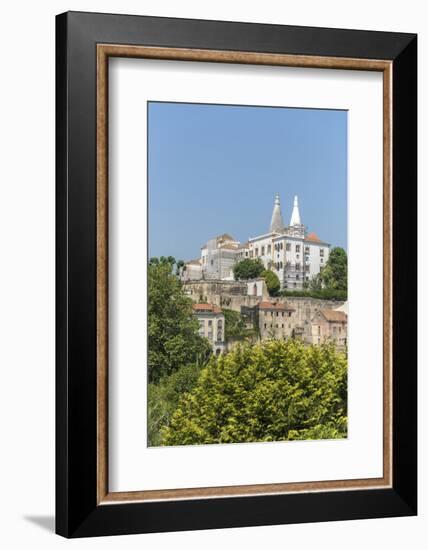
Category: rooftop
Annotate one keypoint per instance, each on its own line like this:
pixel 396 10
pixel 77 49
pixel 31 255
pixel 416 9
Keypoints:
pixel 275 306
pixel 206 308
pixel 334 315
pixel 312 237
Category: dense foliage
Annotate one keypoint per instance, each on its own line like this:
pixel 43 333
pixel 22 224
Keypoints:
pixel 235 328
pixel 248 269
pixel 272 282
pixel 163 399
pixel 275 390
pixel 172 329
pixel 321 294
pixel 335 273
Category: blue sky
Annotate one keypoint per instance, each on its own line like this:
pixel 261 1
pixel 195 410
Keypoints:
pixel 215 169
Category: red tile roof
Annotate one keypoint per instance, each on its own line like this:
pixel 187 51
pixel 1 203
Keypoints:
pixel 312 237
pixel 206 308
pixel 334 316
pixel 275 306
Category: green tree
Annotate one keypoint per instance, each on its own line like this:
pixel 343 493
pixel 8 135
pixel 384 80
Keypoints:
pixel 272 282
pixel 235 328
pixel 248 269
pixel 173 330
pixel 316 282
pixel 335 273
pixel 163 399
pixel 275 390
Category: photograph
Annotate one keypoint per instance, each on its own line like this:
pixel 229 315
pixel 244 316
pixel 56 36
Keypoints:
pixel 247 274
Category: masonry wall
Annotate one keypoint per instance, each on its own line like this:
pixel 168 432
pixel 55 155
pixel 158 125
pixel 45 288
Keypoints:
pixel 234 295
pixel 227 294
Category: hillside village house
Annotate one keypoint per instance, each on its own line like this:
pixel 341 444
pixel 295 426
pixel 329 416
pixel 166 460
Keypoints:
pixel 330 325
pixel 289 251
pixel 275 320
pixel 211 325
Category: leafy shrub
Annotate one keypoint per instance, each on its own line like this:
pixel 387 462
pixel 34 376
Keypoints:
pixel 275 390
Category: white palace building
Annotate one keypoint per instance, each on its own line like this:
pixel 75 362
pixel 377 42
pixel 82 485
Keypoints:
pixel 289 251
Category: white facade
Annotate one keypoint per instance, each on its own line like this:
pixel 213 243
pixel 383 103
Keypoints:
pixel 211 325
pixel 289 251
pixel 218 256
pixel 295 256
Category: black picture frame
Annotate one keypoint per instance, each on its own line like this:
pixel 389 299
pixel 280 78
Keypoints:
pixel 77 512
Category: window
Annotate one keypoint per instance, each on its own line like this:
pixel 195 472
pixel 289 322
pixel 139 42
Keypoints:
pixel 297 266
pixel 321 252
pixel 322 260
pixel 281 246
pixel 282 326
pixel 269 249
pixel 263 251
pixel 280 265
pixel 256 252
pixel 283 314
pixel 297 247
pixel 297 256
pixel 265 325
pixel 288 247
pixel 210 323
pixel 212 262
pixel 307 267
pixel 306 249
pixel 297 276
pixel 251 253
pixel 219 324
pixel 277 314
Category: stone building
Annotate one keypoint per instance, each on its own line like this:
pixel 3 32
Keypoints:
pixel 289 251
pixel 275 320
pixel 192 270
pixel 330 325
pixel 211 325
pixel 218 256
pixel 295 255
pixel 227 294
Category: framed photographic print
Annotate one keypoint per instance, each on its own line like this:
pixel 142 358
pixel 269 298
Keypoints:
pixel 236 274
